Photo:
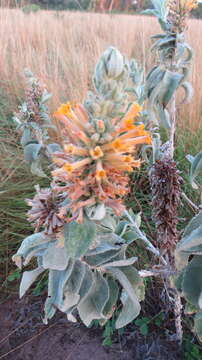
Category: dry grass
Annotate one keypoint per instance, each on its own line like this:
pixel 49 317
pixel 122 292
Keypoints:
pixel 62 48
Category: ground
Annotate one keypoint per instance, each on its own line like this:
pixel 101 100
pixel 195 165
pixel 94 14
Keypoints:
pixel 23 336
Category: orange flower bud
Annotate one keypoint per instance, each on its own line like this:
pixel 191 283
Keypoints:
pixel 100 126
pixel 96 153
pixel 133 112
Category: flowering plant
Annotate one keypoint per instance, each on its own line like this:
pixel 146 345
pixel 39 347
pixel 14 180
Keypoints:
pixel 82 227
pixel 78 235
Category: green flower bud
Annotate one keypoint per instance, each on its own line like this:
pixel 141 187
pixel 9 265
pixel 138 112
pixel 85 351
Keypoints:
pixel 106 138
pixel 95 138
pixel 114 62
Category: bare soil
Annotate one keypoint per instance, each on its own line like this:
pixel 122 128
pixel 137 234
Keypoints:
pixel 23 336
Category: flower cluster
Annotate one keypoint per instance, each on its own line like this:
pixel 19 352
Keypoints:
pixel 44 212
pixel 97 157
pixel 30 109
pixel 178 11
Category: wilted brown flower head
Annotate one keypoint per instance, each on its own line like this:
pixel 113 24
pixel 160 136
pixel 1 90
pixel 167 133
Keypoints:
pixel 165 185
pixel 44 212
pixel 30 109
pixel 33 96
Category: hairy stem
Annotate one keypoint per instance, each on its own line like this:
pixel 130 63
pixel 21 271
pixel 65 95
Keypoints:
pixel 156 272
pixel 150 246
pixel 190 203
pixel 173 126
pixel 178 320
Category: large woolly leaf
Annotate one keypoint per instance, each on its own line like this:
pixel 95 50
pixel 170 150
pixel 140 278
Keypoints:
pixel 76 286
pixel 31 152
pixel 164 25
pixel 32 241
pixel 191 241
pixel 153 79
pixel 130 236
pixel 169 84
pixel 196 169
pixel 198 325
pixel 86 284
pixel 101 254
pixel 54 294
pixel 31 246
pixel 28 278
pixel 188 89
pixel 122 227
pixel 192 281
pixel 149 12
pixel 158 36
pixel 163 91
pixel 160 6
pixel 195 222
pixel 45 96
pixel 156 147
pixel 96 212
pixel 51 148
pixel 78 237
pixel 56 282
pixel 113 297
pixel 177 281
pixel 36 168
pixel 26 136
pixel 109 238
pixel 108 223
pixel 35 252
pixel 164 117
pixel 55 258
pixel 70 301
pixel 129 312
pixel 191 244
pixel 168 41
pixel 120 263
pixel 73 285
pixel 93 304
pixel 129 279
pixel 77 275
pixel 189 53
pixel 121 255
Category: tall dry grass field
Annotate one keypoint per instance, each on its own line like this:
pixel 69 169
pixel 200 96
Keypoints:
pixel 62 49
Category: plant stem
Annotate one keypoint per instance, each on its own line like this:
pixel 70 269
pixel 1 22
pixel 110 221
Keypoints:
pixel 157 272
pixel 150 246
pixel 178 321
pixel 177 299
pixel 191 204
pixel 173 125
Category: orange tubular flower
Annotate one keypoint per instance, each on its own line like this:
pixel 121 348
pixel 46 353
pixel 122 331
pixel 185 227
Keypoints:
pixel 133 112
pixel 69 167
pixel 127 123
pixel 100 172
pixel 189 4
pixel 94 167
pixel 96 153
pixel 75 150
